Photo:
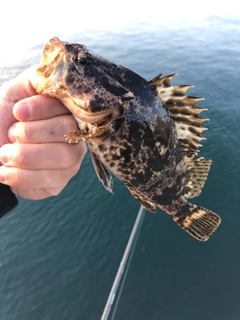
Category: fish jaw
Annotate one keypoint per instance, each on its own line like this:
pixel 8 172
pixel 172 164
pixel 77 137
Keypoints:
pixel 51 68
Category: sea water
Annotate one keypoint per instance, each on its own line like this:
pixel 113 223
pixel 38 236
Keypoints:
pixel 59 256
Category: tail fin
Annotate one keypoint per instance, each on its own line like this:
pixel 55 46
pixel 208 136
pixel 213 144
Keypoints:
pixel 200 223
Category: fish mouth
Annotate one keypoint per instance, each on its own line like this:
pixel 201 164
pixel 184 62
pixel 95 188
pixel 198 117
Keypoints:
pixel 53 66
pixel 50 57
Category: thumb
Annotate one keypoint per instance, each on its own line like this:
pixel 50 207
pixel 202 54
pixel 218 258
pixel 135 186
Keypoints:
pixel 11 92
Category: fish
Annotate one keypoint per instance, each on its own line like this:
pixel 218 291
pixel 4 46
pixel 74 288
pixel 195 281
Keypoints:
pixel 146 133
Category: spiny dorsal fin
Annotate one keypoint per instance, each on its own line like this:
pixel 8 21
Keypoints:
pixel 197 172
pixel 183 111
pixel 162 82
pixel 188 129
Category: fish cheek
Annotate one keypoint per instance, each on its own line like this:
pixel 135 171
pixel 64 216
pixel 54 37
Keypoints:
pixel 70 79
pixel 98 103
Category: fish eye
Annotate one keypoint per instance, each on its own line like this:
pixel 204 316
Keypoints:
pixel 81 60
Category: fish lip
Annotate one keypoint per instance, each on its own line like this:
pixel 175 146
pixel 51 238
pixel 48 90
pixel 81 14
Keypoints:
pixel 53 66
pixel 96 118
pixel 50 57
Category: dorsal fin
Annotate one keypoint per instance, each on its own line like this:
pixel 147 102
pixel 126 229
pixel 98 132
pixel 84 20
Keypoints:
pixel 183 111
pixel 188 129
pixel 197 172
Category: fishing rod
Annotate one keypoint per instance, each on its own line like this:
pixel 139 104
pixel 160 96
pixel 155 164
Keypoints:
pixel 127 256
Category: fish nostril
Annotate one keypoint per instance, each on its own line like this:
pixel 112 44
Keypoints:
pixel 69 48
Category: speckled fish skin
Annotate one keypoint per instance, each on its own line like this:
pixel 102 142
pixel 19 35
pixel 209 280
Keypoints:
pixel 129 125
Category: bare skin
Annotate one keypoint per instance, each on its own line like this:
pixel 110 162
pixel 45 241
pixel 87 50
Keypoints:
pixel 37 160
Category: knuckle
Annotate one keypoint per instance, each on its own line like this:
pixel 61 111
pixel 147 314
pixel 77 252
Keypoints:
pixel 19 156
pixel 13 176
pixel 49 177
pixel 55 178
pixel 68 123
pixel 53 192
pixel 26 132
pixel 74 170
pixel 70 155
pixel 21 132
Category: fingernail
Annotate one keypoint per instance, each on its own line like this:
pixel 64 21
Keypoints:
pixel 2 175
pixel 3 156
pixel 23 112
pixel 12 133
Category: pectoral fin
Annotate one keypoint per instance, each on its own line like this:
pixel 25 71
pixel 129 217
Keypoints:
pixel 103 174
pixel 89 133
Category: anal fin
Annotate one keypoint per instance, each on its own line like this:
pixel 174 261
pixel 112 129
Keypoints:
pixel 103 174
pixel 199 222
pixel 197 168
pixel 145 202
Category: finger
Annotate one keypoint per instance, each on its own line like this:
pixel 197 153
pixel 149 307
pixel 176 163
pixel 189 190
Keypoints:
pixel 37 179
pixel 11 92
pixel 36 194
pixel 20 87
pixel 6 119
pixel 50 130
pixel 38 108
pixel 42 156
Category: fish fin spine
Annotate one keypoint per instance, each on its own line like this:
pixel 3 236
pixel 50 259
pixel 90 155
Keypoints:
pixel 183 112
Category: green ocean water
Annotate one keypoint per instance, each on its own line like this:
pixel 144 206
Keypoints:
pixel 59 256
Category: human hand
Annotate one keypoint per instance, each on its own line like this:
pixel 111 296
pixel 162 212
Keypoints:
pixel 37 161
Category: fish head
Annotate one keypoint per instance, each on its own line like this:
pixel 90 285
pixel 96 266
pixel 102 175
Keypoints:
pixel 84 81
